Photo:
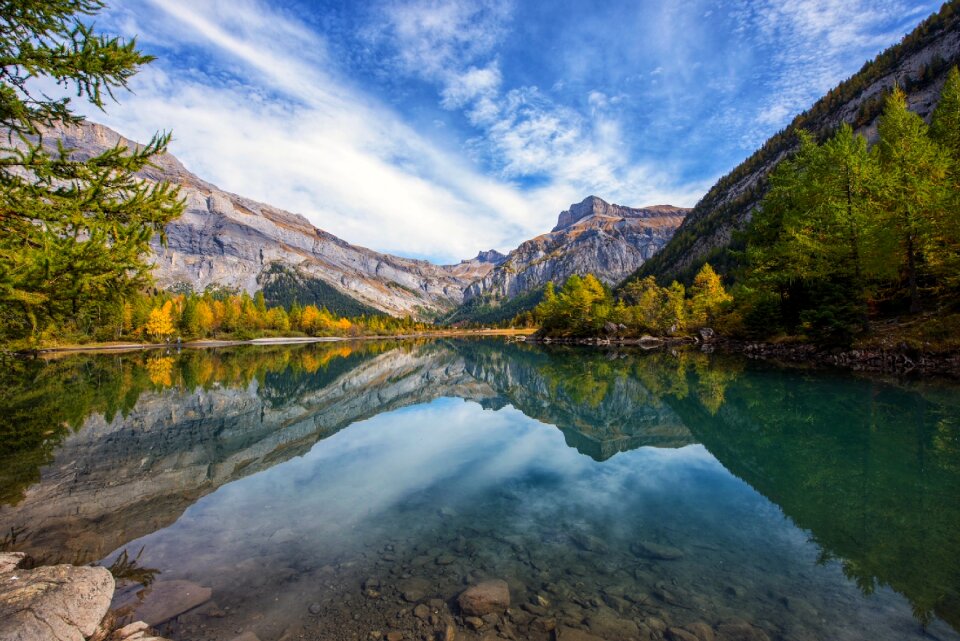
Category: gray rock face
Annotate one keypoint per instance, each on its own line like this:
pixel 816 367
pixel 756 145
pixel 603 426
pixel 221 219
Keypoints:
pixel 225 239
pixel 609 241
pixel 53 603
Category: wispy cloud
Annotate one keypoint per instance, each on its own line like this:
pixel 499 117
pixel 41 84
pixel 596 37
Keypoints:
pixel 272 120
pixel 522 132
pixel 809 45
pixel 440 127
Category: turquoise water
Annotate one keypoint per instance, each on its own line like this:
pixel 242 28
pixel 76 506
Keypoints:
pixel 327 491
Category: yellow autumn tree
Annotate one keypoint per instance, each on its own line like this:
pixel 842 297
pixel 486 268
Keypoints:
pixel 205 318
pixel 707 295
pixel 160 322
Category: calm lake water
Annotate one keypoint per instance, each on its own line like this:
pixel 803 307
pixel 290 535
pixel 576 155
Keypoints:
pixel 325 491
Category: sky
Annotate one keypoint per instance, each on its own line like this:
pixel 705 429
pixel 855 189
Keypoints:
pixel 438 128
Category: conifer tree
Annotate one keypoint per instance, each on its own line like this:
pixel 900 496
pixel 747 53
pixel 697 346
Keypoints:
pixel 945 130
pixel 914 172
pixel 72 231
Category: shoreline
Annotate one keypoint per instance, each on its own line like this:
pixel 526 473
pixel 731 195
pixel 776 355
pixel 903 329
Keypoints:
pixel 900 361
pixel 119 347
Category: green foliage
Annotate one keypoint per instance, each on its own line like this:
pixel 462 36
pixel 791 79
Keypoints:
pixel 282 286
pixel 481 311
pixel 843 230
pixel 584 306
pixel 581 307
pixel 73 231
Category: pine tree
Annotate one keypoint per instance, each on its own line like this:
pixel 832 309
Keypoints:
pixel 945 125
pixel 945 130
pixel 914 172
pixel 72 232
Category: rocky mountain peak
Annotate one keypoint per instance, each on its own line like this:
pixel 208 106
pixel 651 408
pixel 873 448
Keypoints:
pixel 593 206
pixel 589 206
pixel 491 256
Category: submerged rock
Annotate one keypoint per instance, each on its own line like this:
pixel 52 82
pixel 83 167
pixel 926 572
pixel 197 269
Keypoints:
pixel 53 603
pixel 165 600
pixel 740 631
pixel 485 598
pixel 656 551
pixel 572 634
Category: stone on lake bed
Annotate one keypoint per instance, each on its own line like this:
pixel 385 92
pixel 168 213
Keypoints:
pixel 679 634
pixel 572 634
pixel 700 630
pixel 650 550
pixel 485 598
pixel 54 603
pixel 740 631
pixel 165 600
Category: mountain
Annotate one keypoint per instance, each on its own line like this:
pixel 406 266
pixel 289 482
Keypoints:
pixel 227 240
pixel 918 64
pixel 593 236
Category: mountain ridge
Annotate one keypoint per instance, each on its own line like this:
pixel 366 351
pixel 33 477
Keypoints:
pixel 918 64
pixel 592 236
pixel 226 240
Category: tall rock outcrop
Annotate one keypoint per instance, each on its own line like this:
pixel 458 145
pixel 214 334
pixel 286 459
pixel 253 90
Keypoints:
pixel 228 240
pixel 594 236
pixel 919 65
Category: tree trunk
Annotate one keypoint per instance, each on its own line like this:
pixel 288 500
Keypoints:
pixel 915 306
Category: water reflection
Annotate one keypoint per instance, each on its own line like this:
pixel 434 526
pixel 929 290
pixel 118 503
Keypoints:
pixel 103 452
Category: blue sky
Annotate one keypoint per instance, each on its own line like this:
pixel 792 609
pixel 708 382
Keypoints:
pixel 437 128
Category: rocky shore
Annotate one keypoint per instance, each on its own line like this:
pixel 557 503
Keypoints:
pixel 900 359
pixel 61 603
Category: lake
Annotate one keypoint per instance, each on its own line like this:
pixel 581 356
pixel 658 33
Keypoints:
pixel 354 490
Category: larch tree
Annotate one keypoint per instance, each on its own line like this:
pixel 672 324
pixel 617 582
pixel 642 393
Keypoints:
pixel 945 130
pixel 73 230
pixel 914 173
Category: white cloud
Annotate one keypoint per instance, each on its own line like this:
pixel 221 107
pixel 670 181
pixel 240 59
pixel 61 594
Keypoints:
pixel 522 133
pixel 280 126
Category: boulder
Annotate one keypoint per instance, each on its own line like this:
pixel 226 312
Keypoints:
pixel 53 603
pixel 485 598
pixel 10 561
pixel 706 334
pixel 610 328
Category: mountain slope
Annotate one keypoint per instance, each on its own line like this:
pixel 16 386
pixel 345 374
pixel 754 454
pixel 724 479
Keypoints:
pixel 609 241
pixel 227 240
pixel 918 64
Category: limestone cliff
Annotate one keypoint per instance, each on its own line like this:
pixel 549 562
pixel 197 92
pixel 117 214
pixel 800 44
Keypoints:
pixel 228 240
pixel 609 241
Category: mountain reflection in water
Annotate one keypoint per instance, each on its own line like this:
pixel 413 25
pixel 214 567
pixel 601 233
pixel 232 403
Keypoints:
pixel 103 452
